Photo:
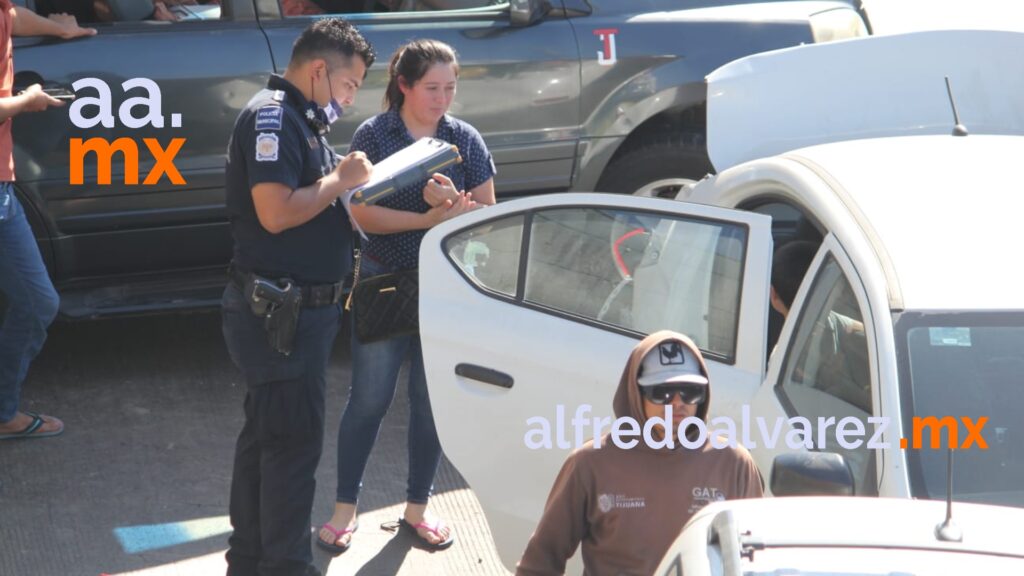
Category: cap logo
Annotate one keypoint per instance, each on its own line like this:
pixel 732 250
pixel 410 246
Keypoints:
pixel 671 354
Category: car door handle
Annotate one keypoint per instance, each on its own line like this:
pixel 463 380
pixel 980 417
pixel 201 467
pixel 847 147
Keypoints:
pixel 485 375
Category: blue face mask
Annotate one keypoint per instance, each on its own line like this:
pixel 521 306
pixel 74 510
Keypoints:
pixel 333 110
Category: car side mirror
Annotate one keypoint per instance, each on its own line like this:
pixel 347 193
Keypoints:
pixel 811 474
pixel 526 12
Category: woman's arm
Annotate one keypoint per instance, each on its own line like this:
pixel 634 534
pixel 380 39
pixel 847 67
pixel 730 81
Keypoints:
pixel 381 220
pixel 484 193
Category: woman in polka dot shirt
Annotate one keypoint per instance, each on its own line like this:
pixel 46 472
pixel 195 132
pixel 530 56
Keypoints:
pixel 423 77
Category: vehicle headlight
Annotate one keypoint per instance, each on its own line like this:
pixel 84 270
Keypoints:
pixel 837 24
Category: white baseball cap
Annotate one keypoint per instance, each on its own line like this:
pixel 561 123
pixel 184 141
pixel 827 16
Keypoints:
pixel 670 362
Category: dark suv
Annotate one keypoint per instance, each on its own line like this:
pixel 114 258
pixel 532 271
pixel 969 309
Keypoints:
pixel 569 95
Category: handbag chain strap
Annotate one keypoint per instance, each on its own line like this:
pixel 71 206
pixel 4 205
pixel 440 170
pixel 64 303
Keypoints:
pixel 355 281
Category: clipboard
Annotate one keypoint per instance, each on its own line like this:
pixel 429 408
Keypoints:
pixel 414 163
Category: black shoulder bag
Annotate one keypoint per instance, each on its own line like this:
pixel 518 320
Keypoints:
pixel 384 306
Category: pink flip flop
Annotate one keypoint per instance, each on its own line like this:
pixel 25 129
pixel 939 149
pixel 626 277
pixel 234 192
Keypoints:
pixel 333 547
pixel 435 528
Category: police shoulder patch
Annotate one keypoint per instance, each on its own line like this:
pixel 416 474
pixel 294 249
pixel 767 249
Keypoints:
pixel 269 118
pixel 266 148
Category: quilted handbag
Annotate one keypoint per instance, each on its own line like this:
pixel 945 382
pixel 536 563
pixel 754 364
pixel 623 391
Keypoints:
pixel 385 306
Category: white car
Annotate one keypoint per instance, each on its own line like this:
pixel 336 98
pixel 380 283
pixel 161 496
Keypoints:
pixel 814 536
pixel 530 308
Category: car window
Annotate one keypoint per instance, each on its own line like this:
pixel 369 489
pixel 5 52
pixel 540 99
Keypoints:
pixel 489 255
pixel 826 371
pixel 102 11
pixel 789 223
pixel 628 271
pixel 311 7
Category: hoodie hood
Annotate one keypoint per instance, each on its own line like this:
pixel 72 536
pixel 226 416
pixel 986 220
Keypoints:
pixel 628 401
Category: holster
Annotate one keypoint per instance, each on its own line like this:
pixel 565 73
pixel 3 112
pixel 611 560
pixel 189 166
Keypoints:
pixel 279 304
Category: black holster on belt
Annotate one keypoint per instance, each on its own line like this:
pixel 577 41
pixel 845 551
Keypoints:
pixel 278 303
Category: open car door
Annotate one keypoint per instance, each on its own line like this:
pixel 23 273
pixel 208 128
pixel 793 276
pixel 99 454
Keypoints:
pixel 528 312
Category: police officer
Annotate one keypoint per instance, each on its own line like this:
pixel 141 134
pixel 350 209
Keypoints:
pixel 293 244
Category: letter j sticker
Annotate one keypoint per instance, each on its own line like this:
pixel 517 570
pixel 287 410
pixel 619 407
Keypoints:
pixel 606 56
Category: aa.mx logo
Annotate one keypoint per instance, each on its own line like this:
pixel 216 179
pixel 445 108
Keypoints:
pixel 104 150
pixel 935 427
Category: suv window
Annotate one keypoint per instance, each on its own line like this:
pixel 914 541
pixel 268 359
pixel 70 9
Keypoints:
pixel 98 11
pixel 826 371
pixel 623 270
pixel 310 7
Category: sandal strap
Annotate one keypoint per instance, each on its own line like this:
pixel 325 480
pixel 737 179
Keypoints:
pixel 339 533
pixel 434 528
pixel 37 423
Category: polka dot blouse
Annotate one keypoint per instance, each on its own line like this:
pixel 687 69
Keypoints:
pixel 383 135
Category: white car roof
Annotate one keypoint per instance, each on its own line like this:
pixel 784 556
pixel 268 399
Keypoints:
pixel 869 522
pixel 943 213
pixel 773 102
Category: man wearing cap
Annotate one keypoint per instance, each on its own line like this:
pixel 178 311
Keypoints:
pixel 627 505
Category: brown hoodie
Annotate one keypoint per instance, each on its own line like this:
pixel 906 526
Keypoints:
pixel 627 506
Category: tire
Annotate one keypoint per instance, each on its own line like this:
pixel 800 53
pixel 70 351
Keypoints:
pixel 658 165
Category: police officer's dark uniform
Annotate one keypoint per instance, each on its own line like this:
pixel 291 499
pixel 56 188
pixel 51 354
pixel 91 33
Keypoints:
pixel 279 137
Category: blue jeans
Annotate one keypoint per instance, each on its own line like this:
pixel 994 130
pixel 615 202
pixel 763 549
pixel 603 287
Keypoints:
pixel 31 300
pixel 375 369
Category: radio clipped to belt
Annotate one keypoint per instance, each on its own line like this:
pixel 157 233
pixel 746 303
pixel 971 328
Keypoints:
pixel 279 304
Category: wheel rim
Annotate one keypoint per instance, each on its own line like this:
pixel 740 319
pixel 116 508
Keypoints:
pixel 667 188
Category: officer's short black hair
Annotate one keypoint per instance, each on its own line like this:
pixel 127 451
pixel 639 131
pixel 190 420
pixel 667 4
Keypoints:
pixel 329 37
pixel 789 265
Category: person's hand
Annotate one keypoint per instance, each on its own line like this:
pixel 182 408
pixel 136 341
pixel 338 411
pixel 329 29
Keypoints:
pixel 448 209
pixel 162 14
pixel 69 27
pixel 35 100
pixel 438 189
pixel 354 169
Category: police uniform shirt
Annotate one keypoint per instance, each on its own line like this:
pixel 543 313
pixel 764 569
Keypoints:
pixel 273 142
pixel 385 134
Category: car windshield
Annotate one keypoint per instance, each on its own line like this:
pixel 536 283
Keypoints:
pixel 857 561
pixel 968 366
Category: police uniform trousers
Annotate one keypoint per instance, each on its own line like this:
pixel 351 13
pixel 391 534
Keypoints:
pixel 278 450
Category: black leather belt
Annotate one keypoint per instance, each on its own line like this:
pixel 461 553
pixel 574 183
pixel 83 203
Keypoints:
pixel 313 295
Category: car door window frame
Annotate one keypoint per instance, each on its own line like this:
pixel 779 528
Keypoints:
pixel 830 249
pixel 519 299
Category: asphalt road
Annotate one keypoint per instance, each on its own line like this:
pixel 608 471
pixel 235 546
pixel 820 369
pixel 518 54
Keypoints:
pixel 138 484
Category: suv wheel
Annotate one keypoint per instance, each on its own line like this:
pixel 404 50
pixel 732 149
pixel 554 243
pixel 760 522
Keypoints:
pixel 658 166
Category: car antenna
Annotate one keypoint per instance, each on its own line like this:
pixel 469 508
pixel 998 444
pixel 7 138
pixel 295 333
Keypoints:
pixel 948 531
pixel 959 129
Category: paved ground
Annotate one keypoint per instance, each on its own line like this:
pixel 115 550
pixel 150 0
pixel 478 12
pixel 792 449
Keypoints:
pixel 138 484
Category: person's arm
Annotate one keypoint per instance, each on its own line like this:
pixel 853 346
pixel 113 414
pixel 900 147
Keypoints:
pixel 480 170
pixel 279 207
pixel 27 23
pixel 381 220
pixel 561 528
pixel 484 193
pixel 32 99
pixel 748 478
